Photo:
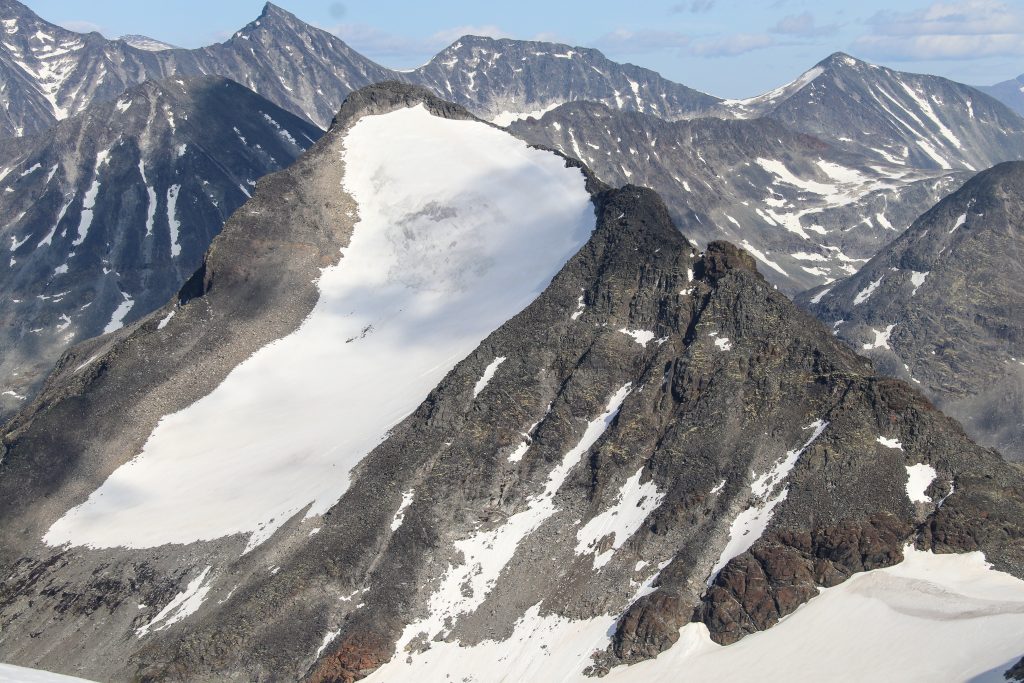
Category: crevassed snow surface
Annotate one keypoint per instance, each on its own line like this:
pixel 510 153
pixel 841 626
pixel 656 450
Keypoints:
pixel 929 618
pixel 461 227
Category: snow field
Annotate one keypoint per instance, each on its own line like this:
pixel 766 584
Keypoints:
pixel 461 227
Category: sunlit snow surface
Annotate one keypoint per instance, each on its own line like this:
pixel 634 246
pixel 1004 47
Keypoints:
pixel 461 226
pixel 19 674
pixel 930 618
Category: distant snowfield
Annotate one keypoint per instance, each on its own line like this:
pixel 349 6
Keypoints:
pixel 930 618
pixel 461 227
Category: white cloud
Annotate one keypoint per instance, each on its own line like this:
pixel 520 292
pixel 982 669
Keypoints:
pixel 731 45
pixel 694 6
pixel 644 40
pixel 379 44
pixel 803 25
pixel 971 29
pixel 941 46
pixel 969 17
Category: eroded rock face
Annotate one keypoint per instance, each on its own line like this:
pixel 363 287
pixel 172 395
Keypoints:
pixel 784 570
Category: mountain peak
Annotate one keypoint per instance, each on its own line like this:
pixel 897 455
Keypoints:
pixel 840 60
pixel 270 11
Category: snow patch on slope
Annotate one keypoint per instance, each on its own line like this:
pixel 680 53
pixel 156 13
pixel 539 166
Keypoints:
pixel 488 374
pixel 632 506
pixel 919 478
pixel 9 673
pixel 464 586
pixel 184 603
pixel 461 227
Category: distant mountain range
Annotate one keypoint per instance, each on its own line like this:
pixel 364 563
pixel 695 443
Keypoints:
pixel 1010 93
pixel 942 307
pixel 110 211
pixel 809 211
pixel 892 116
pixel 813 178
pixel 888 116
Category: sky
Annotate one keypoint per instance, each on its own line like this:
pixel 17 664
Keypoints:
pixel 728 48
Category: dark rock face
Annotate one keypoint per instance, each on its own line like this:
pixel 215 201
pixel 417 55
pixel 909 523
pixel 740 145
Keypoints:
pixel 812 211
pixel 943 307
pixel 892 116
pixel 494 76
pixel 112 210
pixel 779 574
pixel 723 408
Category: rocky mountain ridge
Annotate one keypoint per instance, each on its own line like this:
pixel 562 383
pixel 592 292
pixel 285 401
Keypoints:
pixel 892 116
pixel 809 211
pixel 600 438
pixel 1010 93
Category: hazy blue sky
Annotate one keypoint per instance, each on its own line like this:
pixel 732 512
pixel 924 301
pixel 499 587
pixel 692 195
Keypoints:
pixel 730 48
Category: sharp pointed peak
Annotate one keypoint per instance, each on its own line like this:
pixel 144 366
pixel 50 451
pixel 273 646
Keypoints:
pixel 271 10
